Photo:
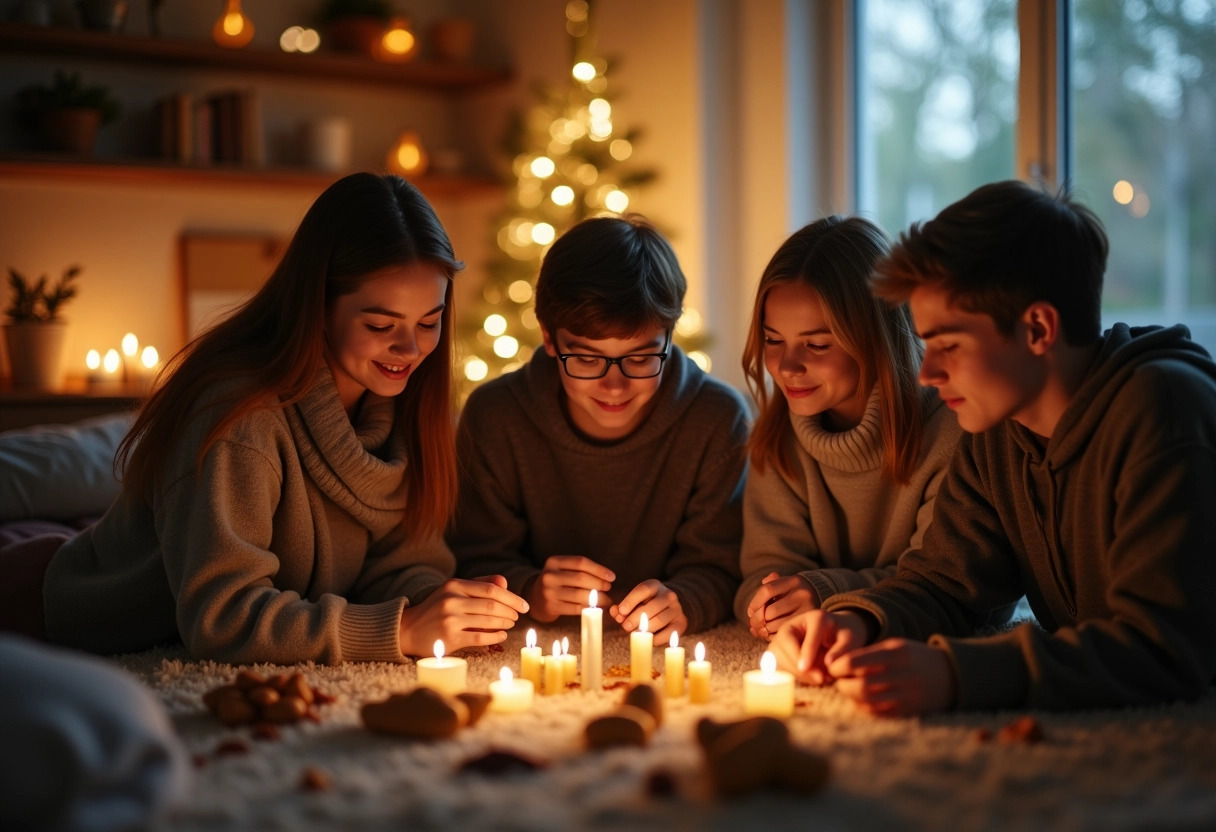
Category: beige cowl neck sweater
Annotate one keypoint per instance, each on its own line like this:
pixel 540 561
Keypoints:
pixel 838 520
pixel 286 546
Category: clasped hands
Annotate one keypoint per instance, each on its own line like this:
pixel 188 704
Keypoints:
pixel 892 677
pixel 566 581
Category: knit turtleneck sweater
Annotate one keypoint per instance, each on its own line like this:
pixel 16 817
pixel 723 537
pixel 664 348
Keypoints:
pixel 287 545
pixel 663 502
pixel 838 520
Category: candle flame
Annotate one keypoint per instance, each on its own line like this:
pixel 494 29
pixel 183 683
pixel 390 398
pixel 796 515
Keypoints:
pixel 675 639
pixel 699 652
pixel 149 357
pixel 439 649
pixel 531 640
pixel 505 675
pixel 565 646
pixel 111 361
pixel 768 663
pixel 643 624
pixel 92 359
pixel 130 344
pixel 593 598
pixel 557 648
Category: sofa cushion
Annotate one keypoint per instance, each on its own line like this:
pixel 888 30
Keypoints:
pixel 60 472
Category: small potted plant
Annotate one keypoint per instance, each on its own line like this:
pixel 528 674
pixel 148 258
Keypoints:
pixel 36 333
pixel 67 113
pixel 353 25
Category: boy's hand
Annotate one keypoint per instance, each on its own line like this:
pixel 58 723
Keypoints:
pixel 808 644
pixel 778 600
pixel 564 584
pixel 461 614
pixel 664 615
pixel 896 677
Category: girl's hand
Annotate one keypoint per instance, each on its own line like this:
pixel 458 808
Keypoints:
pixel 778 600
pixel 896 677
pixel 461 614
pixel 808 644
pixel 564 584
pixel 664 615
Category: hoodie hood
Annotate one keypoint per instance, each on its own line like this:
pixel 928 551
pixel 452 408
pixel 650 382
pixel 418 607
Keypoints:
pixel 538 389
pixel 1122 351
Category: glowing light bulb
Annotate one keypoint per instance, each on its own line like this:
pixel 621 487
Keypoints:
pixel 495 325
pixel 543 167
pixel 475 369
pixel 562 195
pixel 407 157
pixel 616 200
pixel 130 344
pixel 520 291
pixel 583 71
pixel 397 43
pixel 92 359
pixel 233 30
pixel 543 233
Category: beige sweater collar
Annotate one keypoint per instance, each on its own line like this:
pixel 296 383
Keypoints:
pixel 854 451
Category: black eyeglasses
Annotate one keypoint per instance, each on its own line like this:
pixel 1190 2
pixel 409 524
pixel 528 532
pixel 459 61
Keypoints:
pixel 638 365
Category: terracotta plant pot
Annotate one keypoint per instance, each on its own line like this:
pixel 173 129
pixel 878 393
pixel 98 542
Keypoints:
pixel 35 354
pixel 357 33
pixel 73 129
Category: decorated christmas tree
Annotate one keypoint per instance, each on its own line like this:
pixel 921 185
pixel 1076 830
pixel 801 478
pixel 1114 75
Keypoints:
pixel 570 161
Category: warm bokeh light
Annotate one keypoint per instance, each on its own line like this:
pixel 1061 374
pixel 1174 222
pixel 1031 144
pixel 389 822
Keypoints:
pixel 92 359
pixel 1139 205
pixel 130 344
pixel 1123 192
pixel 112 361
pixel 397 43
pixel 562 195
pixel 542 167
pixel 505 346
pixel 520 291
pixel 407 157
pixel 587 174
pixel 689 322
pixel 620 149
pixel 577 10
pixel 616 200
pixel 475 369
pixel 583 71
pixel 233 30
pixel 543 233
pixel 289 41
pixel 529 319
pixel 495 324
pixel 599 108
pixel 701 360
pixel 308 42
pixel 149 357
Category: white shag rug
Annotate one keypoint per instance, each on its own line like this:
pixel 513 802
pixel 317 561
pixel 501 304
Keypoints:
pixel 1152 768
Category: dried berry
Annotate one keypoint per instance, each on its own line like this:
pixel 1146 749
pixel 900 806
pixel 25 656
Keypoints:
pixel 264 731
pixel 1025 730
pixel 232 747
pixel 314 780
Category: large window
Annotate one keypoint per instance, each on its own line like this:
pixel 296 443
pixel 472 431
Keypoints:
pixel 938 92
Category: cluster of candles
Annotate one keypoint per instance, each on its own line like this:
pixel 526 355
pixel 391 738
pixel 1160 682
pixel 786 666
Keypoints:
pixel 766 692
pixel 116 371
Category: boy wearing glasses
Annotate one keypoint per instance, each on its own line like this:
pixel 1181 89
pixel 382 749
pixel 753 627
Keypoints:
pixel 610 461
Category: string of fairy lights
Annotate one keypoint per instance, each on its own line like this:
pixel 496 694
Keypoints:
pixel 570 161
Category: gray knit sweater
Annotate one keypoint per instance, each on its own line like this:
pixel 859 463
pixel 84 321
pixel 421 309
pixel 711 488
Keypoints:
pixel 838 520
pixel 661 503
pixel 287 546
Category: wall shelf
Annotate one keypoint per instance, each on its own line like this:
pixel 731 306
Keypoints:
pixel 77 170
pixel 160 51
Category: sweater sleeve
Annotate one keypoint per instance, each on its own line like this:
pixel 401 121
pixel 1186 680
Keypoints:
pixel 776 533
pixel 703 570
pixel 965 565
pixel 399 566
pixel 490 527
pixel 215 529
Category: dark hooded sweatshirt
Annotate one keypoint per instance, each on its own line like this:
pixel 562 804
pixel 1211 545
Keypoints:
pixel 665 502
pixel 1109 531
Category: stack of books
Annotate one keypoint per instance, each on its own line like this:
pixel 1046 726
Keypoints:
pixel 218 128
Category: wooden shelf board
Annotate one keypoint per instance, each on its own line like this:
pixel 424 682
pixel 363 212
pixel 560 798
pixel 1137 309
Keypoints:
pixel 75 169
pixel 77 44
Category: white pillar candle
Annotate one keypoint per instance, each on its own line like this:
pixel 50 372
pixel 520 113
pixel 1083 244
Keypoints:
pixel 447 674
pixel 510 695
pixel 698 677
pixel 530 659
pixel 673 663
pixel 553 671
pixel 641 650
pixel 569 664
pixel 592 644
pixel 768 691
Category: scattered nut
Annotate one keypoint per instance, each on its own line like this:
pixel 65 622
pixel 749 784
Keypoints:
pixel 757 753
pixel 423 713
pixel 645 696
pixel 253 698
pixel 249 679
pixel 263 696
pixel 1025 730
pixel 232 747
pixel 234 711
pixel 287 709
pixel 628 725
pixel 477 704
pixel 314 780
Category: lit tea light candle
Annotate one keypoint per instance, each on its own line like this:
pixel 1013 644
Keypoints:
pixel 553 671
pixel 641 651
pixel 768 691
pixel 569 664
pixel 673 658
pixel 447 674
pixel 130 346
pixel 698 677
pixel 530 659
pixel 510 695
pixel 592 643
pixel 92 360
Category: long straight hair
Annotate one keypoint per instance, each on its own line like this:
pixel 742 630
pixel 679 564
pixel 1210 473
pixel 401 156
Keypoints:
pixel 834 257
pixel 266 354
